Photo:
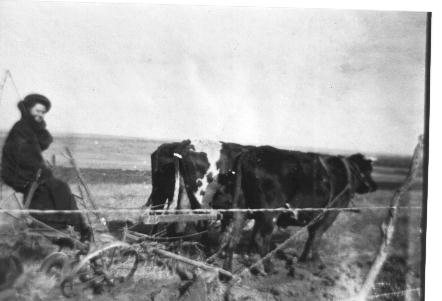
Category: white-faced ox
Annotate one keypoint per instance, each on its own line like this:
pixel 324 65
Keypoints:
pixel 202 164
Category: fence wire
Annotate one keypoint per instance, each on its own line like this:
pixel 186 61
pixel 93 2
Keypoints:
pixel 202 211
pixel 385 295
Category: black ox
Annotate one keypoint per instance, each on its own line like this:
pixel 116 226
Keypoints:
pixel 267 177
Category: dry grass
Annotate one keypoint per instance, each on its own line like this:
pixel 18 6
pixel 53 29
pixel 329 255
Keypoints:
pixel 119 195
pixel 34 285
pixel 116 196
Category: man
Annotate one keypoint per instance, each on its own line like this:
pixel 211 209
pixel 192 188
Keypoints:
pixel 22 160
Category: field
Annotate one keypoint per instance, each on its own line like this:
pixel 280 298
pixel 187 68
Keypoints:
pixel 118 173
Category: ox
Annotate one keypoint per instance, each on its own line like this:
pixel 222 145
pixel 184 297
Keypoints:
pixel 267 177
pixel 200 166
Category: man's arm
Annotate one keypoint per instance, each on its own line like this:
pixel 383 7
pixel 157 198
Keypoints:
pixel 27 154
pixel 44 139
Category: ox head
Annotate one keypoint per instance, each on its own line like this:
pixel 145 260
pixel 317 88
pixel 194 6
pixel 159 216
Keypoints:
pixel 219 192
pixel 362 168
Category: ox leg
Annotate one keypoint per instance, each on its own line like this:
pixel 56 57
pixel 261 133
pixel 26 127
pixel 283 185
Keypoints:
pixel 223 239
pixel 157 200
pixel 226 230
pixel 263 235
pixel 315 233
pixel 252 245
pixel 238 224
pixel 308 244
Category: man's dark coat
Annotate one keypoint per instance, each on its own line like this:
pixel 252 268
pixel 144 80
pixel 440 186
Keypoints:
pixel 22 152
pixel 22 158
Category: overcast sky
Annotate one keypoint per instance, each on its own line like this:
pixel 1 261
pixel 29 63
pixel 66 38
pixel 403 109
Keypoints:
pixel 351 80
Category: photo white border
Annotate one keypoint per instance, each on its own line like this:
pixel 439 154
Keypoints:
pixel 434 225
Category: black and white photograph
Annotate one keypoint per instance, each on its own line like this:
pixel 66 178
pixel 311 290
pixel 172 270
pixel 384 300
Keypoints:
pixel 212 152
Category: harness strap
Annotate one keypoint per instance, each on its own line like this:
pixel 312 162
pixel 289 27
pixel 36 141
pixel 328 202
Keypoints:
pixel 348 171
pixel 173 204
pixel 32 189
pixel 327 170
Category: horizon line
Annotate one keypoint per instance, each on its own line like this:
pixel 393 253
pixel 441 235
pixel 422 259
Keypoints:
pixel 290 147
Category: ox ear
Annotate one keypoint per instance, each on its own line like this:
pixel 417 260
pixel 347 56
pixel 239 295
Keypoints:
pixel 357 158
pixel 372 158
pixel 361 161
pixel 360 157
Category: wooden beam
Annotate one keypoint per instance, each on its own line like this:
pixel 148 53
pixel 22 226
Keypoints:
pixel 150 219
pixel 195 263
pixel 84 184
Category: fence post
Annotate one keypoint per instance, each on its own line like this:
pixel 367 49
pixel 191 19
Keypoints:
pixel 388 226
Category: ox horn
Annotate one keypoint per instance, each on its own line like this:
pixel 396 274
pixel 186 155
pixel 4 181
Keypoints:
pixel 372 158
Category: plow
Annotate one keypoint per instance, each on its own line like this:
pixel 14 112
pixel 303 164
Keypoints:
pixel 113 257
pixel 115 252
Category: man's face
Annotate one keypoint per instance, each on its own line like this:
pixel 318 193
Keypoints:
pixel 38 112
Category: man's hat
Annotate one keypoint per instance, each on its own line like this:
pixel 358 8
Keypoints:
pixel 30 100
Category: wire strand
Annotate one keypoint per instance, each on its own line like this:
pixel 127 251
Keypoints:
pixel 200 211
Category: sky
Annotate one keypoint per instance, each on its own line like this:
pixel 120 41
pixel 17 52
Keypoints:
pixel 294 78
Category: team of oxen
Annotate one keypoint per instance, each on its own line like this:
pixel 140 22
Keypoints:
pixel 202 174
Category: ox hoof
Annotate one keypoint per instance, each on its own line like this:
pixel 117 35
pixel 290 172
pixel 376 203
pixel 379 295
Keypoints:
pixel 269 268
pixel 308 259
pixel 264 269
pixel 257 271
pixel 224 278
pixel 303 259
pixel 291 271
pixel 314 261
